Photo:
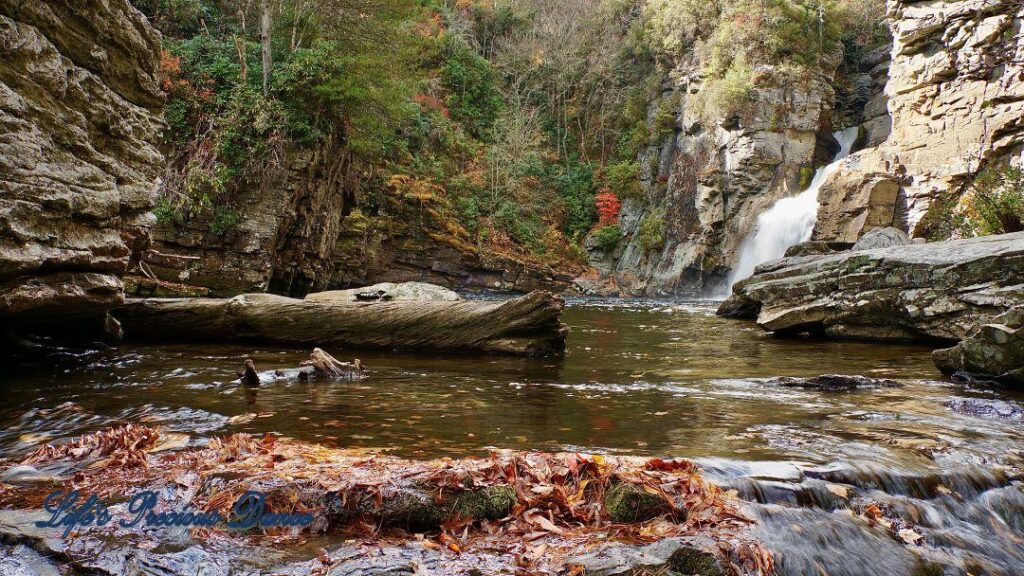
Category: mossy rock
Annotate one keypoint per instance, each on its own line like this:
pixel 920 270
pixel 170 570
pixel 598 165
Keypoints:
pixel 628 503
pixel 492 503
pixel 418 510
pixel 693 561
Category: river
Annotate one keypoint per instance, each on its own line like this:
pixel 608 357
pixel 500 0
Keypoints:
pixel 641 378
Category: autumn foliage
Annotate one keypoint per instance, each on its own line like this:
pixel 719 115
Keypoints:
pixel 608 206
pixel 539 509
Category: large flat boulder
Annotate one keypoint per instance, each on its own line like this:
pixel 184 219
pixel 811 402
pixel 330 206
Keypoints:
pixel 386 291
pixel 938 291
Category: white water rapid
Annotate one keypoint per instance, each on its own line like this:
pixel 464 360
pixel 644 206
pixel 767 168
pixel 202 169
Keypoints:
pixel 790 220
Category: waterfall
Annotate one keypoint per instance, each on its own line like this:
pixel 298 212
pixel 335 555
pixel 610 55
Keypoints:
pixel 790 220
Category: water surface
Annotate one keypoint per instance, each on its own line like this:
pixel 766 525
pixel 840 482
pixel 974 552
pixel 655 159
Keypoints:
pixel 668 380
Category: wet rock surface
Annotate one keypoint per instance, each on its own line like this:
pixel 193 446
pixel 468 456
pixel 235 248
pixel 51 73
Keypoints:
pixel 836 382
pixel 987 408
pixel 79 113
pixel 691 556
pixel 937 291
pixel 995 351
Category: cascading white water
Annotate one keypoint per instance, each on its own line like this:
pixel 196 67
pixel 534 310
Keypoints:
pixel 790 220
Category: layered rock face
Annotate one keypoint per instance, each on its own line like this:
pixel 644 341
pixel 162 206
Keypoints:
pixel 939 291
pixel 996 350
pixel 708 180
pixel 284 243
pixel 80 104
pixel 956 96
pixel 299 233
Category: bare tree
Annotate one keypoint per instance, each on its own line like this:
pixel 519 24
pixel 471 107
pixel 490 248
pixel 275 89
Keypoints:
pixel 265 39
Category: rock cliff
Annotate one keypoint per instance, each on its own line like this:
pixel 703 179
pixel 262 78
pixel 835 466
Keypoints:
pixel 942 102
pixel 707 181
pixel 302 232
pixel 284 242
pixel 955 93
pixel 80 104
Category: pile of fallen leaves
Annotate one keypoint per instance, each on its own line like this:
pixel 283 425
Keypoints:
pixel 557 504
pixel 123 446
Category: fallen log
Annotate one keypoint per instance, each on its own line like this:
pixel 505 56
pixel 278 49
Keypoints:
pixel 320 365
pixel 528 325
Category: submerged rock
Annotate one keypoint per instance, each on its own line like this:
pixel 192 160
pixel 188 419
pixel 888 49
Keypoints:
pixel 995 351
pixel 937 291
pixel 986 408
pixel 836 382
pixel 691 556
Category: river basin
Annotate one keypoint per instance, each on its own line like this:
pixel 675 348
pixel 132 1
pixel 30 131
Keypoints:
pixel 638 378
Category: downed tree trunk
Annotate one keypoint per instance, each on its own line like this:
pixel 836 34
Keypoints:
pixel 526 325
pixel 320 365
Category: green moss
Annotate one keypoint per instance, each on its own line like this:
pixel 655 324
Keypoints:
pixel 806 176
pixel 491 503
pixel 651 233
pixel 693 561
pixel 420 510
pixel 607 238
pixel 628 503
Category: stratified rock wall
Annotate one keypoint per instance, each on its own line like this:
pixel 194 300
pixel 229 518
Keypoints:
pixel 285 239
pixel 80 104
pixel 956 97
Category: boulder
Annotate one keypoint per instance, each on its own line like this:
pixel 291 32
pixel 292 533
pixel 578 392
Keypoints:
pixel 80 106
pixel 936 291
pixel 386 291
pixel 810 248
pixel 995 351
pixel 882 238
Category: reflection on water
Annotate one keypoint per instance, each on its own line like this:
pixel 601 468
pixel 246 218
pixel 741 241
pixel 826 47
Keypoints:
pixel 648 379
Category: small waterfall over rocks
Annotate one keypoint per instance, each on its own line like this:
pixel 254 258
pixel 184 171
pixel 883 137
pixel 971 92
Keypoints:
pixel 789 221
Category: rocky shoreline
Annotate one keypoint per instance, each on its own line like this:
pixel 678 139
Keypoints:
pixel 938 292
pixel 534 512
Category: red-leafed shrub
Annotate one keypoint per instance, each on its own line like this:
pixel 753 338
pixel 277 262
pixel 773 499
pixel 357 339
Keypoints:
pixel 608 206
pixel 428 101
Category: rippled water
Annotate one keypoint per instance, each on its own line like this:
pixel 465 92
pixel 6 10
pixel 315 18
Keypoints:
pixel 642 378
